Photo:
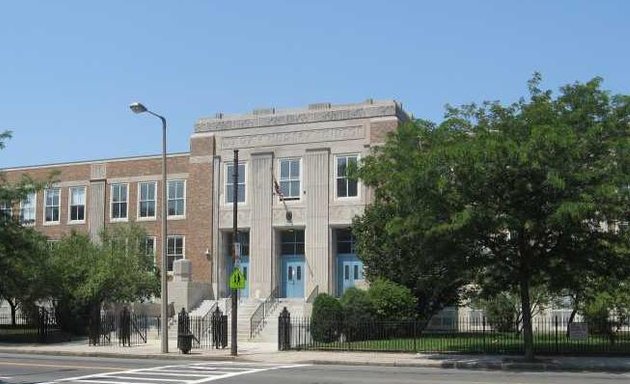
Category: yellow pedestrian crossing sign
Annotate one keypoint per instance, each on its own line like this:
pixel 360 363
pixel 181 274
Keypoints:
pixel 237 279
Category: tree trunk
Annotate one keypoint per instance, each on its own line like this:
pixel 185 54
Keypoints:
pixel 571 318
pixel 528 335
pixel 13 306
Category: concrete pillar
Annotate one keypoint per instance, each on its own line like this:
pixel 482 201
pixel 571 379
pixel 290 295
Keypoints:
pixel 317 239
pixel 260 235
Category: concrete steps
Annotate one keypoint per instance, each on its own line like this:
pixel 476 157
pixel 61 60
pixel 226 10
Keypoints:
pixel 296 307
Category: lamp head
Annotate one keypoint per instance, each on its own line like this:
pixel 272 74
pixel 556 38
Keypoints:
pixel 137 107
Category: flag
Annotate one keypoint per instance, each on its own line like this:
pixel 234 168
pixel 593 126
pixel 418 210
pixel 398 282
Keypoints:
pixel 277 189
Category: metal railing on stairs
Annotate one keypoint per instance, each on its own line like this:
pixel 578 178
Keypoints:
pixel 257 320
pixel 311 297
pixel 202 326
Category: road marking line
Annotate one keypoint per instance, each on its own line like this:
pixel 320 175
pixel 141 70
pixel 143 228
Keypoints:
pixel 108 381
pixel 173 372
pixel 60 366
pixel 212 372
pixel 248 372
pixel 142 378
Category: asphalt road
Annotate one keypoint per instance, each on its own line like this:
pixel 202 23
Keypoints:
pixel 18 369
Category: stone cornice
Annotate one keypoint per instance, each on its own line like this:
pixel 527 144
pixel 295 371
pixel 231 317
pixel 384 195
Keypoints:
pixel 302 116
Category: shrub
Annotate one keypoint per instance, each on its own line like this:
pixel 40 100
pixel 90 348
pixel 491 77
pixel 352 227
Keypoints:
pixel 325 319
pixel 391 301
pixel 358 314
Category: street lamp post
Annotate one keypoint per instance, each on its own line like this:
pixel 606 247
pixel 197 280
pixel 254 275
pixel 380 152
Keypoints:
pixel 139 108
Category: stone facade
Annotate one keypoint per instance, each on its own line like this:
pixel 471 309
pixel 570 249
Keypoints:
pixel 316 139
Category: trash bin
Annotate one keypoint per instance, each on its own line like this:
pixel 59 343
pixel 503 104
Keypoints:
pixel 184 342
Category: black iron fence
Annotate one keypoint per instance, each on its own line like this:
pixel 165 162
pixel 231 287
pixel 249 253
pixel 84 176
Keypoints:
pixel 123 328
pixel 202 332
pixel 467 335
pixel 38 327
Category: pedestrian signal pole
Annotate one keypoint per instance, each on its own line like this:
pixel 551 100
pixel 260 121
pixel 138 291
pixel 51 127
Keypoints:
pixel 234 347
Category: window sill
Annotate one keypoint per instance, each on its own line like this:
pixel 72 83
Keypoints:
pixel 148 218
pixel 118 220
pixel 178 217
pixel 343 198
pixel 50 223
pixel 75 222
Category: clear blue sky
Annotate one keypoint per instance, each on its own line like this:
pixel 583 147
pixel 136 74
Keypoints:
pixel 69 69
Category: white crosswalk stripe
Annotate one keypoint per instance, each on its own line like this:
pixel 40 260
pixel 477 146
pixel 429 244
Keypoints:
pixel 195 373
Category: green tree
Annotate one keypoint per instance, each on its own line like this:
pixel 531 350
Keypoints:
pixel 115 269
pixel 326 318
pixel 24 277
pixel 357 312
pixel 606 306
pixel 504 311
pixel 520 194
pixel 391 301
pixel 403 236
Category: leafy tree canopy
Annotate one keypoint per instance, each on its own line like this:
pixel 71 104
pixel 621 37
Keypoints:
pixel 524 194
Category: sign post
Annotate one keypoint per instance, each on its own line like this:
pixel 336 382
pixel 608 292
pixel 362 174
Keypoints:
pixel 235 258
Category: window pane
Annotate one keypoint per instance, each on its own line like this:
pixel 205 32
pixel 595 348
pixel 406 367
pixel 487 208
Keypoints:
pixel 241 173
pixel 352 188
pixel 295 169
pixel 341 188
pixel 284 169
pixel 241 193
pixel 341 166
pixel 298 271
pixel 356 272
pixel 346 272
pixel 295 189
pixel 290 273
pixel 285 187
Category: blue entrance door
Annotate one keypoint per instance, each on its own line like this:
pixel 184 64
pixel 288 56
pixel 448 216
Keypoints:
pixel 293 276
pixel 349 271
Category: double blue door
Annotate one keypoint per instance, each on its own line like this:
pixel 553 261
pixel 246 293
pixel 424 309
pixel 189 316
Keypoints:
pixel 349 271
pixel 293 276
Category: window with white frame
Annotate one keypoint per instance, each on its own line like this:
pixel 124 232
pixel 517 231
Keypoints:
pixel 119 199
pixel 176 198
pixel 346 186
pixel 52 199
pixel 6 209
pixel 174 250
pixel 27 209
pixel 77 204
pixel 229 183
pixel 290 179
pixel 146 199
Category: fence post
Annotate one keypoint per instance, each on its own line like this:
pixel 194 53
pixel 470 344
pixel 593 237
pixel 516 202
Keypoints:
pixel 184 337
pixel 483 334
pixel 217 329
pixel 415 334
pixel 125 327
pixel 43 324
pixel 284 330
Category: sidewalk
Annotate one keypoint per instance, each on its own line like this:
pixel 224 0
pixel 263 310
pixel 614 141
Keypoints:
pixel 268 353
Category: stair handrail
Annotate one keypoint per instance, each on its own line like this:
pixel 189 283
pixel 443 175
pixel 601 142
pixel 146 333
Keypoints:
pixel 311 297
pixel 201 326
pixel 135 327
pixel 264 309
